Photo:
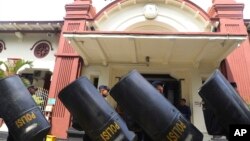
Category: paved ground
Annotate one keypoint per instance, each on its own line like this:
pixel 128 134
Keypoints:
pixel 3 137
pixel 210 138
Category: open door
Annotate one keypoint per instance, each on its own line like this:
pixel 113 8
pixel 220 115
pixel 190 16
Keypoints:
pixel 172 87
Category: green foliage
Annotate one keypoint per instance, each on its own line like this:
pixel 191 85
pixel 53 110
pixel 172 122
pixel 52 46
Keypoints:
pixel 26 82
pixel 2 73
pixel 19 64
pixel 12 68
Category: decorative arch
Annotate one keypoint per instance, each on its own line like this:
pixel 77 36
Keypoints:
pixel 42 48
pixel 152 26
pixel 2 46
pixel 169 15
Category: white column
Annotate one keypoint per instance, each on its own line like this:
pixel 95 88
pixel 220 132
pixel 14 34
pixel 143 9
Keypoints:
pixel 195 100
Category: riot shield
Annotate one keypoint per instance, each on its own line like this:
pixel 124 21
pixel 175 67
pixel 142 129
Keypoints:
pixel 97 118
pixel 22 116
pixel 225 103
pixel 155 114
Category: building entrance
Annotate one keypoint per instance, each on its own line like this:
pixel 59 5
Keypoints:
pixel 172 87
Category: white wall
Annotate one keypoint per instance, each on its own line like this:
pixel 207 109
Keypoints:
pixel 102 72
pixel 194 84
pixel 192 81
pixel 168 16
pixel 20 48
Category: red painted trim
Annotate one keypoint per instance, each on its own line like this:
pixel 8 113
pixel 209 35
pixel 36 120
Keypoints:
pixel 226 9
pixel 66 55
pixel 13 59
pixel 74 70
pixel 80 10
pixel 52 90
pixel 230 15
pixel 238 69
pixel 157 33
pixel 66 71
pixel 68 63
pixel 195 7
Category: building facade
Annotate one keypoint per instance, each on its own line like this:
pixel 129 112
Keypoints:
pixel 174 41
pixel 35 41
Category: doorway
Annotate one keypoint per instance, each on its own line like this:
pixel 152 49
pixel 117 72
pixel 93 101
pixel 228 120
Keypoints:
pixel 172 87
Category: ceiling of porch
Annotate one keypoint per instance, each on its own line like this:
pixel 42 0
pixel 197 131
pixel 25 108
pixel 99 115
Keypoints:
pixel 154 49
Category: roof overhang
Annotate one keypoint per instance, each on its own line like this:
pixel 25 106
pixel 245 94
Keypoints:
pixel 192 49
pixel 30 26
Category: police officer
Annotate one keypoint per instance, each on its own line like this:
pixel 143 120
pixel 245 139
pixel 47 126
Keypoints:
pixel 159 86
pixel 104 91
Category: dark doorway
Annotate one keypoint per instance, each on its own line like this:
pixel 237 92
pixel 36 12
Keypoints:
pixel 41 77
pixel 172 87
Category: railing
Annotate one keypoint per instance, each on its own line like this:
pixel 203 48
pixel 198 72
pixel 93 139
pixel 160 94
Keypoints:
pixel 41 98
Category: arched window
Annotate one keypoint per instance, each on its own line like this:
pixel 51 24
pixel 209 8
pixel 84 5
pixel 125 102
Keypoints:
pixel 2 46
pixel 42 48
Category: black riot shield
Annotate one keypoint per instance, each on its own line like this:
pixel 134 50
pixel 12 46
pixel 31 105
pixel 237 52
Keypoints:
pixel 224 102
pixel 213 125
pixel 155 114
pixel 24 119
pixel 97 118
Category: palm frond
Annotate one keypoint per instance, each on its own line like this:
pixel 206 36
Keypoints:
pixel 20 63
pixel 12 68
pixel 26 82
pixel 2 72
